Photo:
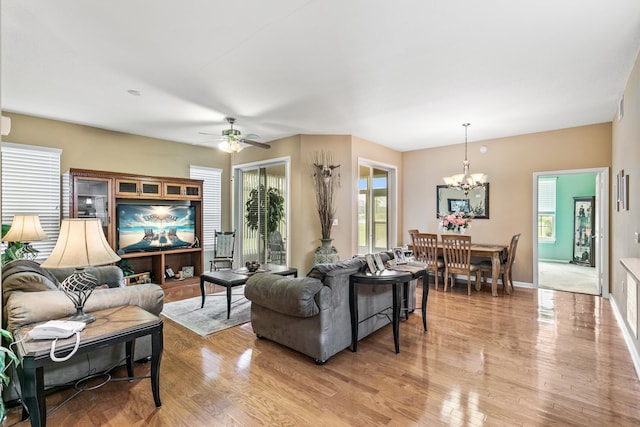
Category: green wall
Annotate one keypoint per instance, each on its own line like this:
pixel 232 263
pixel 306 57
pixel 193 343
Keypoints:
pixel 567 187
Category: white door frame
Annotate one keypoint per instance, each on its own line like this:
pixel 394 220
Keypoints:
pixel 237 212
pixel 602 223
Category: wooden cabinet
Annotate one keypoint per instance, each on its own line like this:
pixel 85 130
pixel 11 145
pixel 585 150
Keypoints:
pixel 179 190
pixel 583 231
pixel 97 194
pixel 144 189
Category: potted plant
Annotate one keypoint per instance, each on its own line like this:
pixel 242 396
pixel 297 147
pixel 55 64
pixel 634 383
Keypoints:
pixel 264 211
pixel 5 352
pixel 325 182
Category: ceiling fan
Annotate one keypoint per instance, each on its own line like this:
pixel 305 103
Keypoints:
pixel 232 139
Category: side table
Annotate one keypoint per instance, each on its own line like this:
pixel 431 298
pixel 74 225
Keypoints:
pixel 386 277
pixel 112 326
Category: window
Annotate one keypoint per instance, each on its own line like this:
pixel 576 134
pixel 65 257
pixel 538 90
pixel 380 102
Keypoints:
pixel 31 186
pixel 211 202
pixel 547 209
pixel 373 209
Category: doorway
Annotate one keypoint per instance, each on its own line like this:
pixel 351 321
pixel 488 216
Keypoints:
pixel 261 209
pixel 570 236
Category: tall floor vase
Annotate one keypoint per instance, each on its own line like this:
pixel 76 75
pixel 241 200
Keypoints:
pixel 325 253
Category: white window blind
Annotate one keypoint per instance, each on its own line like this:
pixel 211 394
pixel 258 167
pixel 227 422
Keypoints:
pixel 211 202
pixel 31 186
pixel 547 195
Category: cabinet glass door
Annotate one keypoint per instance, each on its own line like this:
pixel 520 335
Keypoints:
pixel 583 223
pixel 92 201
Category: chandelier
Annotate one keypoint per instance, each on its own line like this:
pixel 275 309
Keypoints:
pixel 466 181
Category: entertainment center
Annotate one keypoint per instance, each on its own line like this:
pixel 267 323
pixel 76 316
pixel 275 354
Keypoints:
pixel 153 222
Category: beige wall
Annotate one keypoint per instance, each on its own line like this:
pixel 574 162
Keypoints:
pixel 304 222
pixel 510 163
pixel 85 147
pixel 626 156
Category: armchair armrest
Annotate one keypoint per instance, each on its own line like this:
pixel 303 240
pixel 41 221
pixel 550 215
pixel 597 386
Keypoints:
pixel 24 308
pixel 291 296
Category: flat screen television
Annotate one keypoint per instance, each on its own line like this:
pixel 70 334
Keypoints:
pixel 143 228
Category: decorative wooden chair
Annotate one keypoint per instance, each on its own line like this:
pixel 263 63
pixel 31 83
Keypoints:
pixel 505 267
pixel 457 259
pixel 425 249
pixel 277 251
pixel 224 242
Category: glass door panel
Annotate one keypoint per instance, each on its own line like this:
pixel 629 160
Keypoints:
pixel 262 208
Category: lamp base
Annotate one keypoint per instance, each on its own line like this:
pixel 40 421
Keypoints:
pixel 81 316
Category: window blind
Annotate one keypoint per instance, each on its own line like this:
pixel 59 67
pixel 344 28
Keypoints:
pixel 211 202
pixel 547 194
pixel 31 186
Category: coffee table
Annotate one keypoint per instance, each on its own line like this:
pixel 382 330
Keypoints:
pixel 112 326
pixel 232 278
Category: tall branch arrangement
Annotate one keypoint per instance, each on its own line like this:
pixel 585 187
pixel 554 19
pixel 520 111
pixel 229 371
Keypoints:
pixel 325 180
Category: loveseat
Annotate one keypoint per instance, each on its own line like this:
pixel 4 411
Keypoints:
pixel 311 314
pixel 31 294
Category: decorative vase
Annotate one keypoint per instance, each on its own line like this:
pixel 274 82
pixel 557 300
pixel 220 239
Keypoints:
pixel 325 253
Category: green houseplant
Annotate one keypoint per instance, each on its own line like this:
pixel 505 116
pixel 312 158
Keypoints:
pixel 9 253
pixel 264 210
pixel 5 352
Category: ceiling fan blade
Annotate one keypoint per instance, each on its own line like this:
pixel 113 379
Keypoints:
pixel 255 143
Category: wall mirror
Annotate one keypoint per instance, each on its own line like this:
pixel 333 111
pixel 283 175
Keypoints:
pixel 449 200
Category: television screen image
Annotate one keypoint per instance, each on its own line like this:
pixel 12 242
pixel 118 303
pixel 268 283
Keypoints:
pixel 155 228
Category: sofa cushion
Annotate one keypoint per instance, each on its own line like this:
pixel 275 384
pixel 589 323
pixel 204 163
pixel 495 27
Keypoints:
pixel 320 271
pixel 291 296
pixel 109 275
pixel 23 275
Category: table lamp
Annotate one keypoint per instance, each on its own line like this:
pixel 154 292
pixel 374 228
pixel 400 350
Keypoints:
pixel 81 244
pixel 25 229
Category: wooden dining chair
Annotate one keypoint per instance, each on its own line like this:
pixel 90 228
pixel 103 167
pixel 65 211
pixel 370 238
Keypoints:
pixel 457 259
pixel 505 267
pixel 425 249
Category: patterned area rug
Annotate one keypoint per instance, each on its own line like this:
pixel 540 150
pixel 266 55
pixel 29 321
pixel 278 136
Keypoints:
pixel 213 317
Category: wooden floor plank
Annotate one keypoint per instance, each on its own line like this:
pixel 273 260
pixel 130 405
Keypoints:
pixel 536 357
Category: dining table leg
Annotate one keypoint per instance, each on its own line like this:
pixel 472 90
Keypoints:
pixel 495 273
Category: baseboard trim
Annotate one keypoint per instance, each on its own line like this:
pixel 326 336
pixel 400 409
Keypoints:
pixel 635 357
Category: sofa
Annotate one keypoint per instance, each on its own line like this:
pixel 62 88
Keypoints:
pixel 311 314
pixel 31 294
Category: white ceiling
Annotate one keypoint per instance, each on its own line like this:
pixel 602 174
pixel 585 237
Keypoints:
pixel 403 73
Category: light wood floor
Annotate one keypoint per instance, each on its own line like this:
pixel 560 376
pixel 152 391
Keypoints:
pixel 536 358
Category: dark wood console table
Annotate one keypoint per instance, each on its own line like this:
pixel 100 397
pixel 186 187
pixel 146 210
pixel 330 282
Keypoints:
pixel 112 326
pixel 386 277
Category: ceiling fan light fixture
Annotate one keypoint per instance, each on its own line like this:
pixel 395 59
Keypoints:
pixel 230 146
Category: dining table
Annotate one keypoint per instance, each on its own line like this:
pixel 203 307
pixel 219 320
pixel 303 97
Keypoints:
pixel 496 253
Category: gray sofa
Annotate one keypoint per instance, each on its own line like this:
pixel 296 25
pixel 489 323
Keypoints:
pixel 311 314
pixel 31 294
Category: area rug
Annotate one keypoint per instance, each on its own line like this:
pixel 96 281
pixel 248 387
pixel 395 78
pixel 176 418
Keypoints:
pixel 213 317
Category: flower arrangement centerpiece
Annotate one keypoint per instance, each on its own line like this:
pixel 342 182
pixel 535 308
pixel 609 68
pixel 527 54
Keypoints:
pixel 457 221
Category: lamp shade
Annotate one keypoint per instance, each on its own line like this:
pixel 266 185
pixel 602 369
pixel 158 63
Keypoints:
pixel 25 228
pixel 81 243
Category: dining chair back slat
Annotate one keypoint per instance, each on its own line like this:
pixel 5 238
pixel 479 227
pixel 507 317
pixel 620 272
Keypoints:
pixel 425 249
pixel 457 259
